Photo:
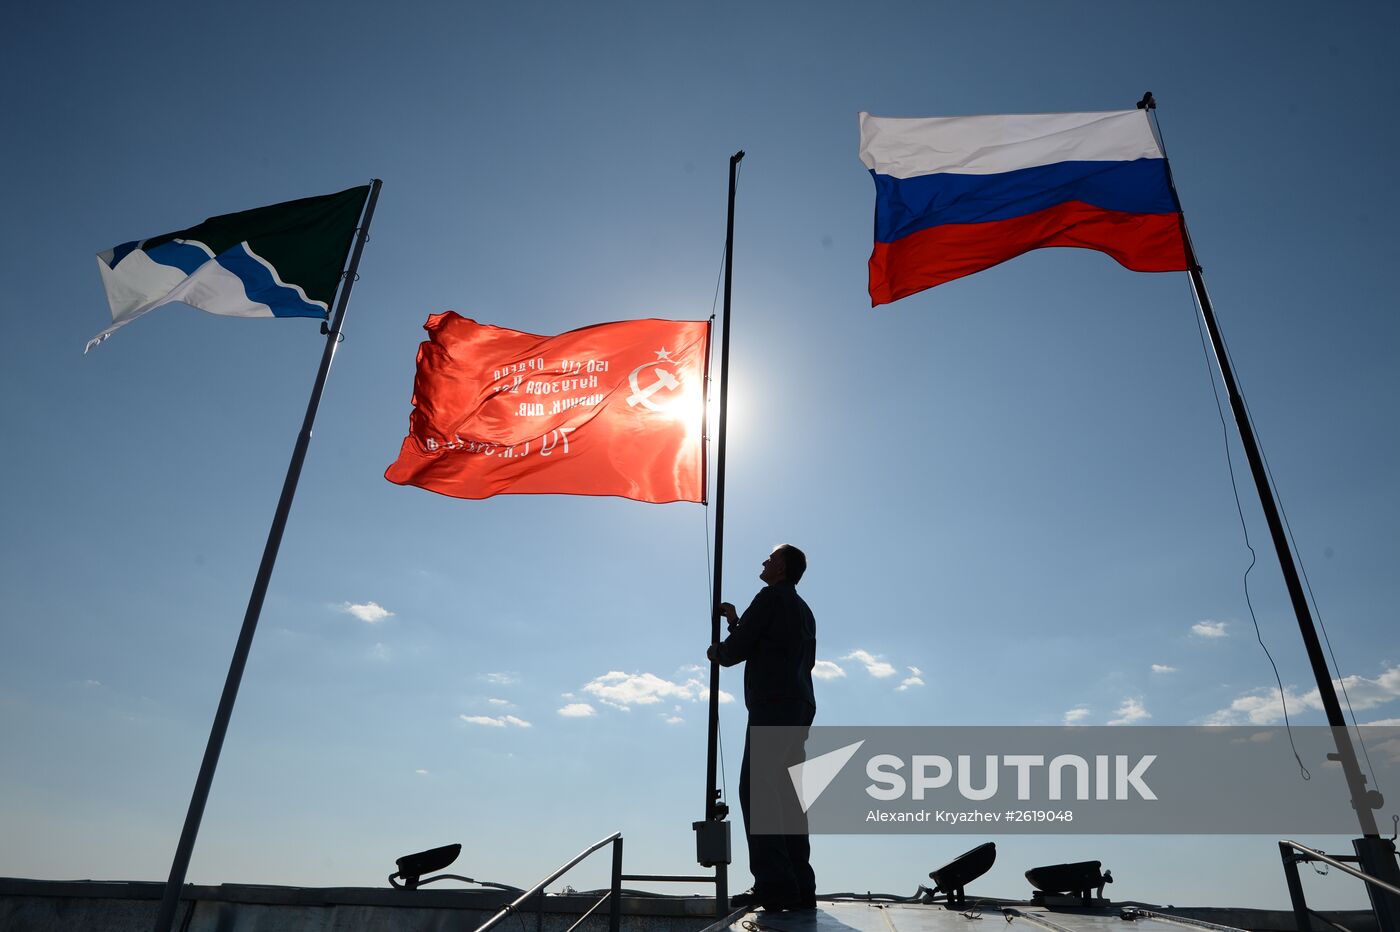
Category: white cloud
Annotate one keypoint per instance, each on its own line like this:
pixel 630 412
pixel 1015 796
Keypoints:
pixel 827 670
pixel 1384 721
pixel 624 690
pixel 1388 749
pixel 501 679
pixel 1259 737
pixel 421 772
pixel 873 665
pixel 381 651
pixel 909 683
pixel 1077 714
pixel 368 612
pixel 1209 629
pixel 578 710
pixel 1263 706
pixel 1162 668
pixel 916 671
pixel 674 720
pixel 495 701
pixel 694 668
pixel 92 683
pixel 1366 693
pixel 1130 711
pixel 498 721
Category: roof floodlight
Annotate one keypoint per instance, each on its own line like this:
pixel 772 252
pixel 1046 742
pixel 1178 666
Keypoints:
pixel 952 877
pixel 413 866
pixel 1077 879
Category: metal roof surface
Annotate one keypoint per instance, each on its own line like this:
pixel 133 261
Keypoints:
pixel 908 917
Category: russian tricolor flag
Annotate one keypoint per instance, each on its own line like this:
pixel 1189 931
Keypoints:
pixel 955 195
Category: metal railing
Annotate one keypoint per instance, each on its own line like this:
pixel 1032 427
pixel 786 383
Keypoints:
pixel 1137 912
pixel 614 893
pixel 1294 853
pixel 613 896
pixel 1010 912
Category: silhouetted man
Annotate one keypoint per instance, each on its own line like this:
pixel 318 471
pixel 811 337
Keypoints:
pixel 777 640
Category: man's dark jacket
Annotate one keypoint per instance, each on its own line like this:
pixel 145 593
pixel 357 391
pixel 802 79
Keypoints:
pixel 777 636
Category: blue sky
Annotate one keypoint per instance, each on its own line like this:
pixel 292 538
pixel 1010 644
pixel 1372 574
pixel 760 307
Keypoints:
pixel 1012 489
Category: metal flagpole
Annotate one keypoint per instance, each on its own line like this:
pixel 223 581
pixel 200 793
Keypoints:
pixel 171 900
pixel 712 835
pixel 1377 855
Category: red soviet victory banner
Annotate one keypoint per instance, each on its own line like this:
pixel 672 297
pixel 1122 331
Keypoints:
pixel 612 409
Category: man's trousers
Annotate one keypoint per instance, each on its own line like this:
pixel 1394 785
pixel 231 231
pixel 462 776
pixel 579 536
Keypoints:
pixel 780 863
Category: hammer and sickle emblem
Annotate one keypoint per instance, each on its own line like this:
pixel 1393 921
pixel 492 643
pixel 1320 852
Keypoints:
pixel 642 395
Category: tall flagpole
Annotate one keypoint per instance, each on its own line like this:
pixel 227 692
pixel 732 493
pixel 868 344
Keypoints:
pixel 715 811
pixel 1376 855
pixel 171 899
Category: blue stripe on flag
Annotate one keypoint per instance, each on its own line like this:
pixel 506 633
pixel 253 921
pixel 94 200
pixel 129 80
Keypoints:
pixel 182 256
pixel 907 205
pixel 262 288
pixel 121 252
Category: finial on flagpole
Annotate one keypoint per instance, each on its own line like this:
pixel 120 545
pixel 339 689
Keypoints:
pixel 1148 102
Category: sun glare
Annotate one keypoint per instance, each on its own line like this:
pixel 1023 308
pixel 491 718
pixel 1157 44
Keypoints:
pixel 688 407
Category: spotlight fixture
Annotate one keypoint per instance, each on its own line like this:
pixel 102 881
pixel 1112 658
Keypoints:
pixel 952 877
pixel 413 866
pixel 1077 879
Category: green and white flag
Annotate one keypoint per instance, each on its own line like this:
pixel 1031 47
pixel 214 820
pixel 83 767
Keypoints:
pixel 279 261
